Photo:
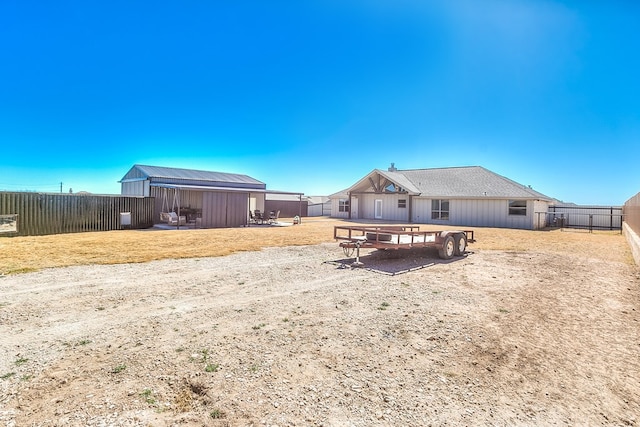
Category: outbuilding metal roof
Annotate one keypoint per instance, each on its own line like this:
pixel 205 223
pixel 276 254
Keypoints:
pixel 189 176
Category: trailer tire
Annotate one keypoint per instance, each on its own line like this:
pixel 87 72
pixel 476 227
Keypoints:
pixel 448 248
pixel 460 244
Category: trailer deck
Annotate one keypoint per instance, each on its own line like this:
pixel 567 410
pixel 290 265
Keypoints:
pixel 449 243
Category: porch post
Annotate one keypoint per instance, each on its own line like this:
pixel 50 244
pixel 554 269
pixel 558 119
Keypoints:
pixel 178 199
pixel 410 210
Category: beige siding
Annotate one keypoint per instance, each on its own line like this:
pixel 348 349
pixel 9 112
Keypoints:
pixel 335 207
pixel 540 209
pixel 475 213
pixel 390 210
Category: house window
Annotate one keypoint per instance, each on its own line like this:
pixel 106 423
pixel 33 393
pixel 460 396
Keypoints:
pixel 402 203
pixel 517 207
pixel 393 188
pixel 440 209
pixel 343 205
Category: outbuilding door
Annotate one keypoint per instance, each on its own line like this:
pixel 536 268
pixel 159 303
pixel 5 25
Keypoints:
pixel 224 209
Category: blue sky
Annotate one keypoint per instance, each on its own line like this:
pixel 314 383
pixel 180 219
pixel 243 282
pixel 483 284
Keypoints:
pixel 311 95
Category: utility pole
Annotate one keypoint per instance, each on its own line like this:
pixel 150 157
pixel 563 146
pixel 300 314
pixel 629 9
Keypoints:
pixel 61 187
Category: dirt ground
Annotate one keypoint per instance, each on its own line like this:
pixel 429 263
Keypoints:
pixel 531 335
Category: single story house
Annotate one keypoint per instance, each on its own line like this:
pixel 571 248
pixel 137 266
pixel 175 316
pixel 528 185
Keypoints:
pixel 205 199
pixel 458 196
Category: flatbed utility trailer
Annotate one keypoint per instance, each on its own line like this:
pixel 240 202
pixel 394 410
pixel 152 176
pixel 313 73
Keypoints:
pixel 449 243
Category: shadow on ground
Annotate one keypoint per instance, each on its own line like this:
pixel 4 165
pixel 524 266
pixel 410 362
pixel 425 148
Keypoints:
pixel 398 261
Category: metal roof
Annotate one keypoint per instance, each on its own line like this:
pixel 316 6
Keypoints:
pixel 455 182
pixel 160 174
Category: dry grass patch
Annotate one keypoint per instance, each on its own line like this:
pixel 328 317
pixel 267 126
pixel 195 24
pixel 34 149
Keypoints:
pixel 24 254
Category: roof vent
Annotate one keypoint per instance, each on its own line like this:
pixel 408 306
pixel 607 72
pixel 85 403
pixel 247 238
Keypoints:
pixel 392 168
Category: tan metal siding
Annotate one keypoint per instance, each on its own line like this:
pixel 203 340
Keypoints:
pixel 135 188
pixel 214 210
pixel 632 213
pixel 237 209
pixel 224 209
pixel 287 208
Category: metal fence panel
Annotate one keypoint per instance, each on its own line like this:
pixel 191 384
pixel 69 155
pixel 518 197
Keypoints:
pixel 589 217
pixel 49 213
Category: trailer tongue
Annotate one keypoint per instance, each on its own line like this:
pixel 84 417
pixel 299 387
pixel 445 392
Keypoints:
pixel 449 243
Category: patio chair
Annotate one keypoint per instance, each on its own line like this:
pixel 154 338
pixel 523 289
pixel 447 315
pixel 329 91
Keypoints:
pixel 273 216
pixel 259 217
pixel 174 220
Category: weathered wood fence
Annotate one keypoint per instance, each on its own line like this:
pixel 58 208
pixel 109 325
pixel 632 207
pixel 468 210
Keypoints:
pixel 631 211
pixel 32 214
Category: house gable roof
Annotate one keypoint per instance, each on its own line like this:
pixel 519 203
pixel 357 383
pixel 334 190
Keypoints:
pixel 166 175
pixel 456 182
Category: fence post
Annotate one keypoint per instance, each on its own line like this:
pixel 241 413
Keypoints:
pixel 611 218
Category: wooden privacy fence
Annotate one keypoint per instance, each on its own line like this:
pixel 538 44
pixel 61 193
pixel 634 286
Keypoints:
pixel 32 214
pixel 632 213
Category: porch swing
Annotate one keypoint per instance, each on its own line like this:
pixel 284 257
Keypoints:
pixel 170 216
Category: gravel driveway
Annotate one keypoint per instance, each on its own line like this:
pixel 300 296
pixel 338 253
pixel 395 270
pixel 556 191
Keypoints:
pixel 294 336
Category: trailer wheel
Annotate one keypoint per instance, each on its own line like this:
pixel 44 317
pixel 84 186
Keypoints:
pixel 460 244
pixel 448 248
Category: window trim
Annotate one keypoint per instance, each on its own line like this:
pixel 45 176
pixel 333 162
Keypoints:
pixel 437 214
pixel 344 205
pixel 402 203
pixel 517 210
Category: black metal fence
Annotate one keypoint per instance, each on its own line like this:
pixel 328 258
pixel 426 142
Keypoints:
pixel 632 213
pixel 32 214
pixel 585 217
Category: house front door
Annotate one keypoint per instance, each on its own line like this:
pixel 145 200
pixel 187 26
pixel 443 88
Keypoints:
pixel 354 208
pixel 377 209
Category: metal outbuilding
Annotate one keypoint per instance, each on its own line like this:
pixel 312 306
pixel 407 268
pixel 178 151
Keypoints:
pixel 205 199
